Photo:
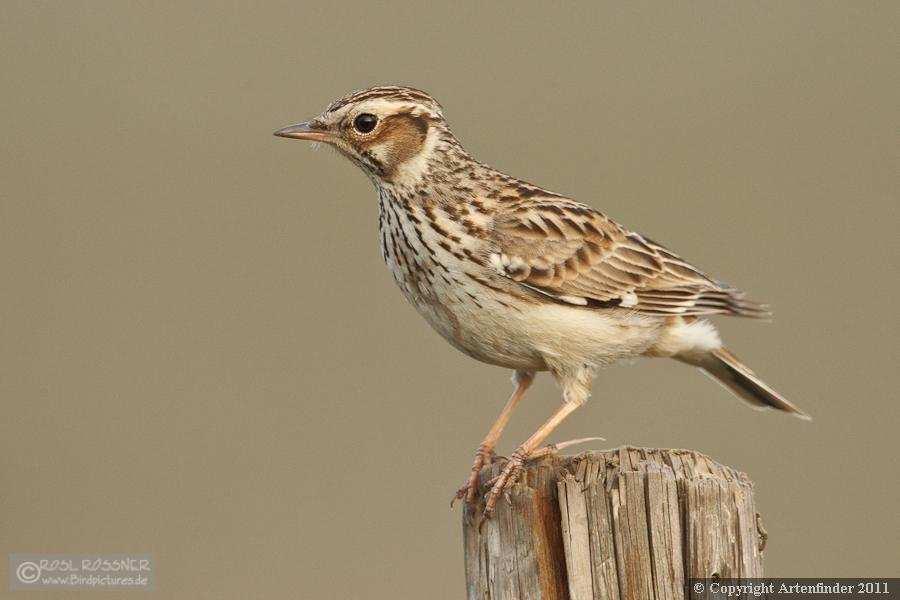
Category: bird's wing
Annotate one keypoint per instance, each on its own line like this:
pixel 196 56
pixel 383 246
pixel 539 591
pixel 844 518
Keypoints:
pixel 574 254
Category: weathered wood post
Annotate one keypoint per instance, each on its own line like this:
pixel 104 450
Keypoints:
pixel 629 524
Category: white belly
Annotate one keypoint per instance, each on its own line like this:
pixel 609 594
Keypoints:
pixel 538 336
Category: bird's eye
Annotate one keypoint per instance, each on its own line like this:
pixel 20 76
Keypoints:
pixel 365 122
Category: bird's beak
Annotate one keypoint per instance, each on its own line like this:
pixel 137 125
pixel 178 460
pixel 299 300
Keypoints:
pixel 304 131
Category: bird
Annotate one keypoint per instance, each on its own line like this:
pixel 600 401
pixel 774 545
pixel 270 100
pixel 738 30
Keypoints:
pixel 523 278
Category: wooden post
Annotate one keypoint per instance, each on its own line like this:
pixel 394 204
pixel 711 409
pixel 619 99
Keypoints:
pixel 623 524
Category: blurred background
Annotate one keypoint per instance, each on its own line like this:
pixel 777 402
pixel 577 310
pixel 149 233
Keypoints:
pixel 203 357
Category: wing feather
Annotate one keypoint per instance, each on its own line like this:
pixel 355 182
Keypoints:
pixel 574 254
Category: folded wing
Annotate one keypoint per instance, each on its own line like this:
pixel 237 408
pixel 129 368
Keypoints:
pixel 576 255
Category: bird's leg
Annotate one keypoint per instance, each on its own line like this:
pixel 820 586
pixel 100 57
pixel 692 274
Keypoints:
pixel 523 380
pixel 575 394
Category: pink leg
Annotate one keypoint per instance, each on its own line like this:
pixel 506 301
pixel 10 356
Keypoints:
pixel 575 393
pixel 523 380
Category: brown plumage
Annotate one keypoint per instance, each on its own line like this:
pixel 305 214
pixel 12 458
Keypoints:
pixel 520 277
pixel 575 254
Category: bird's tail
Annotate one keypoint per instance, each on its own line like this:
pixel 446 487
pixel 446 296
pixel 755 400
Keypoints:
pixel 726 369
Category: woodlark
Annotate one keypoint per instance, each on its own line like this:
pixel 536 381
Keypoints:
pixel 519 277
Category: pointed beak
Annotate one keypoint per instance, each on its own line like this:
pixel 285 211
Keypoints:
pixel 304 131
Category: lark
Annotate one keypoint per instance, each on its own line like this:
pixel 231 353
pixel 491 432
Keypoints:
pixel 520 277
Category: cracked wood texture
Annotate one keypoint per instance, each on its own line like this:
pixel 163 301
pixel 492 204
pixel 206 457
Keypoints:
pixel 623 524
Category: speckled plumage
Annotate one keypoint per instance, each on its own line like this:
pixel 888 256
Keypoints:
pixel 519 277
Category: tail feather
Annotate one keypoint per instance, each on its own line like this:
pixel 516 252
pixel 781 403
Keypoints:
pixel 725 368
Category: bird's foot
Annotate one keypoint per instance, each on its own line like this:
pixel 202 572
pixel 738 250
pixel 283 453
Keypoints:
pixel 515 464
pixel 507 478
pixel 483 456
pixel 554 448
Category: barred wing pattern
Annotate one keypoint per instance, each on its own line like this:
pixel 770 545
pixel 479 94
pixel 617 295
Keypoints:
pixel 574 254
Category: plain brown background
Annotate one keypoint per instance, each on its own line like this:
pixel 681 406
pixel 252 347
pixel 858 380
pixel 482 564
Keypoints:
pixel 204 358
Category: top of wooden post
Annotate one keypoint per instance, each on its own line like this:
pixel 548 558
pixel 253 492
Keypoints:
pixel 622 523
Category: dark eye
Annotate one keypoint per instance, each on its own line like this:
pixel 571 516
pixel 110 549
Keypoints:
pixel 365 123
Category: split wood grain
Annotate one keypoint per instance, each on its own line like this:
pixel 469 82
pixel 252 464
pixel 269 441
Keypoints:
pixel 623 524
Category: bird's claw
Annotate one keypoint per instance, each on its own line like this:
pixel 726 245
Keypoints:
pixel 504 482
pixel 483 455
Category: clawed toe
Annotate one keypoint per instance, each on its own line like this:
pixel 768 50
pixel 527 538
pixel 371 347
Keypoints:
pixel 499 485
pixel 463 493
pixel 512 470
pixel 504 482
pixel 469 490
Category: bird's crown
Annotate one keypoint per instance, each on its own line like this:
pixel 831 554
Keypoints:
pixel 389 94
pixel 391 132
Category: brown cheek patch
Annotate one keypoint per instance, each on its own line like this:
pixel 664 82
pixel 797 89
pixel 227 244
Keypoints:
pixel 402 135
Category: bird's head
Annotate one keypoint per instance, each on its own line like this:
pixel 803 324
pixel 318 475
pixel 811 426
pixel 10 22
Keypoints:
pixel 391 132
